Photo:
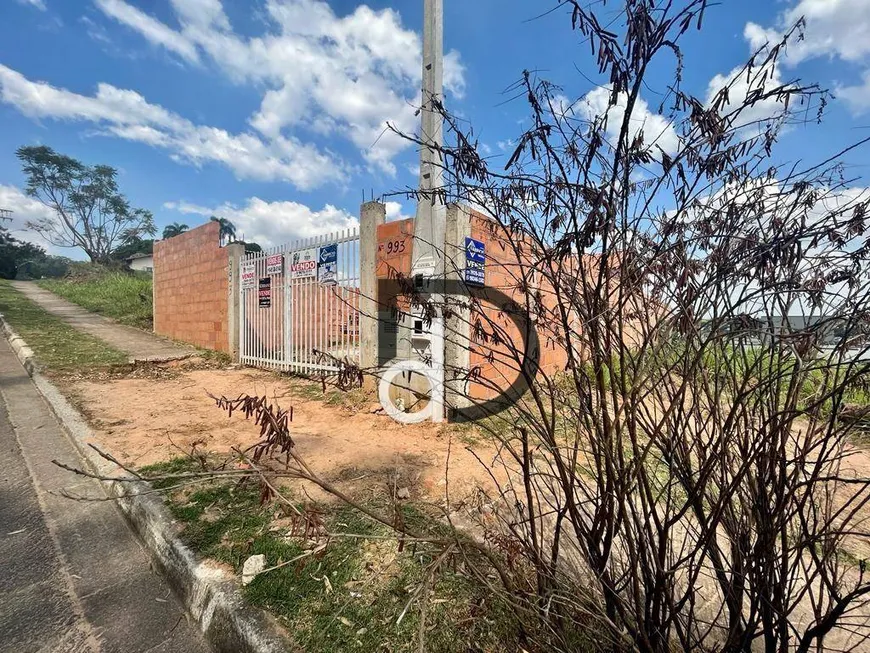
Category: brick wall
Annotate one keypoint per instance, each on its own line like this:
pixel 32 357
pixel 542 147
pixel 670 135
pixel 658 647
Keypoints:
pixel 495 362
pixel 191 288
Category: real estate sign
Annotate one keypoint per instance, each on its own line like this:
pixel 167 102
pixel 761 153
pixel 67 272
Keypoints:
pixel 249 276
pixel 264 292
pixel 327 264
pixel 303 263
pixel 275 264
pixel 475 262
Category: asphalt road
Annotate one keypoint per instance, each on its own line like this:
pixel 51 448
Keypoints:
pixel 73 578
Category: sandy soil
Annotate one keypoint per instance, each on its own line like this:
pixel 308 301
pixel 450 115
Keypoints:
pixel 161 416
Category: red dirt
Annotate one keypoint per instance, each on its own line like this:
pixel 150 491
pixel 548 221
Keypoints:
pixel 147 420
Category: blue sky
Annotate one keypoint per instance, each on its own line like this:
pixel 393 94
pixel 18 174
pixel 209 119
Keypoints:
pixel 270 112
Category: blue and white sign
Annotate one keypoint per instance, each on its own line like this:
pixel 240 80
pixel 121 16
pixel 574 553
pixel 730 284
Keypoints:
pixel 475 261
pixel 327 264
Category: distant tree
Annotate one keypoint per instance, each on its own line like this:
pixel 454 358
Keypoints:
pixel 174 229
pixel 14 253
pixel 90 211
pixel 252 247
pixel 133 246
pixel 228 229
pixel 19 259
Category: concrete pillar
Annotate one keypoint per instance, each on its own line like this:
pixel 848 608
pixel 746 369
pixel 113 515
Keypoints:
pixel 372 214
pixel 235 254
pixel 457 356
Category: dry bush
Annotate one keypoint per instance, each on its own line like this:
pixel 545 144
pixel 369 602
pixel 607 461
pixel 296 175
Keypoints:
pixel 687 481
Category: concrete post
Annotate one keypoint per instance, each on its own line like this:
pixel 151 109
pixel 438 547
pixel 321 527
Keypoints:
pixel 457 341
pixel 372 214
pixel 235 254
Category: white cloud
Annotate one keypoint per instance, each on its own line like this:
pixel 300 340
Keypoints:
pixel 126 114
pixel 835 29
pixel 657 129
pixel 26 209
pixel 38 4
pixel 346 75
pixel 742 86
pixel 395 211
pixel 153 30
pixel 273 223
pixel 858 96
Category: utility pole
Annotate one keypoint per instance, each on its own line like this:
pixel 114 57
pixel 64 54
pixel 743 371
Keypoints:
pixel 427 258
pixel 431 211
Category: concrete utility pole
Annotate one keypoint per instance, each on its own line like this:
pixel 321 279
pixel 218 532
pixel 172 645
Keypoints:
pixel 427 258
pixel 431 212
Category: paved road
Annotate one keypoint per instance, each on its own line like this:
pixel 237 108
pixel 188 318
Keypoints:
pixel 138 344
pixel 73 579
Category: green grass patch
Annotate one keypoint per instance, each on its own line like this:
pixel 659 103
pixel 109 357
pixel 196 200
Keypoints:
pixel 125 297
pixel 349 596
pixel 57 345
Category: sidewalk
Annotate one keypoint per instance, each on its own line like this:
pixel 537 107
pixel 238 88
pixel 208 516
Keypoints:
pixel 73 579
pixel 140 345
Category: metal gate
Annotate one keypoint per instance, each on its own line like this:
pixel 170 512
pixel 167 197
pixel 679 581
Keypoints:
pixel 299 304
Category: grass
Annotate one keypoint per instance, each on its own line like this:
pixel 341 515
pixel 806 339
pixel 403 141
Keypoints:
pixel 350 596
pixel 57 345
pixel 120 296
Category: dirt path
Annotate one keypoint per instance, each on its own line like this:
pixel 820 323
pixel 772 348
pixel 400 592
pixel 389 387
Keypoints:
pixel 147 420
pixel 140 345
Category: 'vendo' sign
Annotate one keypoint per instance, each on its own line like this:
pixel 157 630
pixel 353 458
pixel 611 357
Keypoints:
pixel 303 264
pixel 264 293
pixel 275 264
pixel 249 276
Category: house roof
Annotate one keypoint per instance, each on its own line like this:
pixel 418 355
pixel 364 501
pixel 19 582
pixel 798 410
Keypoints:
pixel 139 255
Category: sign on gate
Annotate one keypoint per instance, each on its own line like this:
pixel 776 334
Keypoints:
pixel 275 264
pixel 265 292
pixel 290 315
pixel 475 260
pixel 303 264
pixel 327 265
pixel 249 277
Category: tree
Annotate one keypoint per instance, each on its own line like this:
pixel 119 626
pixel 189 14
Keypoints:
pixel 20 259
pixel 133 246
pixel 90 212
pixel 676 484
pixel 251 247
pixel 15 253
pixel 228 229
pixel 174 229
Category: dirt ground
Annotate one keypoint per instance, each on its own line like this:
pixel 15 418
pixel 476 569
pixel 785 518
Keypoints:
pixel 162 413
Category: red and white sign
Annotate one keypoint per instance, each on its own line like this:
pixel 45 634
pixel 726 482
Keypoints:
pixel 249 276
pixel 303 264
pixel 275 264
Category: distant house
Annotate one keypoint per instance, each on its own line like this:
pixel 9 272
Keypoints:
pixel 141 262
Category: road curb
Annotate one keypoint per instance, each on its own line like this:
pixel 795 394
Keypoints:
pixel 211 595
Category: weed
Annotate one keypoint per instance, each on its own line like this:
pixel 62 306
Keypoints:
pixel 122 296
pixel 350 595
pixel 57 345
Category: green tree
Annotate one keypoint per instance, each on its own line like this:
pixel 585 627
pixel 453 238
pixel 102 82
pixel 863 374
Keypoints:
pixel 90 212
pixel 15 253
pixel 174 229
pixel 228 229
pixel 133 246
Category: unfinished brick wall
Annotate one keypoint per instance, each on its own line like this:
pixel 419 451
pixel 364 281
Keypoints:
pixel 492 361
pixel 191 288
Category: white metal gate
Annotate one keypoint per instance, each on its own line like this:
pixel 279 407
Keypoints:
pixel 299 304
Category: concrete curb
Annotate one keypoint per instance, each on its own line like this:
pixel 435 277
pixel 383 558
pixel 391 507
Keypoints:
pixel 212 596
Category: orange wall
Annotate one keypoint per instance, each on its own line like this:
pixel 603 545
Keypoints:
pixel 492 361
pixel 191 288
